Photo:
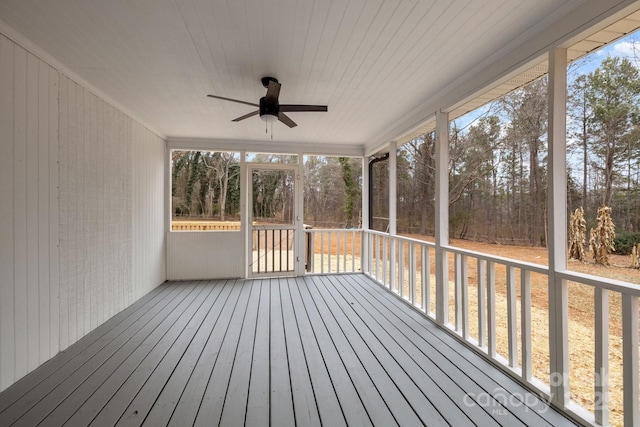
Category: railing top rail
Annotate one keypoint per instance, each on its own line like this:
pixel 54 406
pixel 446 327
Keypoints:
pixel 321 230
pixel 536 268
pixel 403 238
pixel 599 282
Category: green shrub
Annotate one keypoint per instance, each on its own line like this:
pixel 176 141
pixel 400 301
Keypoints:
pixel 625 241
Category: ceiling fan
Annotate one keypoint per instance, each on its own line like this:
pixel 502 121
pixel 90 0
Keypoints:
pixel 269 108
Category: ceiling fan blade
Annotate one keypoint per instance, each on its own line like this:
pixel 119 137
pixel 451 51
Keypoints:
pixel 291 108
pixel 273 91
pixel 233 100
pixel 286 120
pixel 246 116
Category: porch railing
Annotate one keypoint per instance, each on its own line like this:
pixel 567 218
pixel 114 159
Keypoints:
pixel 273 250
pixel 333 251
pixel 486 288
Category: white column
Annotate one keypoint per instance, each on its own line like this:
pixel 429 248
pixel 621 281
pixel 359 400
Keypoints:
pixel 245 217
pixel 393 211
pixel 557 220
pixel 364 247
pixel 393 187
pixel 300 236
pixel 442 216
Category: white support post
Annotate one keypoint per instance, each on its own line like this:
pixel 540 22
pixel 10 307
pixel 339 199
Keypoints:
pixel 365 265
pixel 393 200
pixel 557 220
pixel 300 235
pixel 442 216
pixel 245 217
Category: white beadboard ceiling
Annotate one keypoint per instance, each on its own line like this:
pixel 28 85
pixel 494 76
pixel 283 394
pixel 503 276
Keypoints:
pixel 372 62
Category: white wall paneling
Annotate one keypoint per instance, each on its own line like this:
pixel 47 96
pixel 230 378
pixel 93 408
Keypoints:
pixel 148 198
pixel 195 255
pixel 112 193
pixel 81 211
pixel 28 212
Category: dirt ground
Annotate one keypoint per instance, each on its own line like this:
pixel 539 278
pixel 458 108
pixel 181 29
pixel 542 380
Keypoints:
pixel 581 313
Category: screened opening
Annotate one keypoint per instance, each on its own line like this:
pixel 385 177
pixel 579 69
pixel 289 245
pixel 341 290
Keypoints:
pixel 205 191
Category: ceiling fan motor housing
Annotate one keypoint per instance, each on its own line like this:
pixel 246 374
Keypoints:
pixel 268 111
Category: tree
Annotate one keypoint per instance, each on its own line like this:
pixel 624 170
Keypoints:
pixel 352 189
pixel 613 92
pixel 527 110
pixel 580 111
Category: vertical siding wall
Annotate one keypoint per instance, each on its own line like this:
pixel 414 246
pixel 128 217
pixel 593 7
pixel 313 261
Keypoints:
pixel 81 211
pixel 148 196
pixel 95 211
pixel 28 212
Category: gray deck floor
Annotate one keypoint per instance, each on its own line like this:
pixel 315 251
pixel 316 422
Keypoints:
pixel 317 350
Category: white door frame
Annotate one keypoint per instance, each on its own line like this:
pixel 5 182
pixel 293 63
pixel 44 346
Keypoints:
pixel 297 226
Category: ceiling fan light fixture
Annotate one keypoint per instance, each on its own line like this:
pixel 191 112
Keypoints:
pixel 269 118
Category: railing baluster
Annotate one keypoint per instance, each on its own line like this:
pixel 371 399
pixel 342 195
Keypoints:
pixel 457 265
pixel 601 407
pixel 280 251
pixel 393 263
pixel 464 293
pixel 344 252
pixel 630 372
pixel 353 252
pixel 424 296
pixel 273 250
pixel 385 243
pixel 412 273
pixel 400 264
pixel 374 250
pixel 322 252
pixel 337 251
pixel 426 279
pixel 258 254
pixel 525 326
pixel 482 302
pixel 491 308
pixel 512 318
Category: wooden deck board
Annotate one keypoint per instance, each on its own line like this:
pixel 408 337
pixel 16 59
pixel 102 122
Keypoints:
pixel 315 350
pixel 465 360
pixel 160 413
pixel 304 402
